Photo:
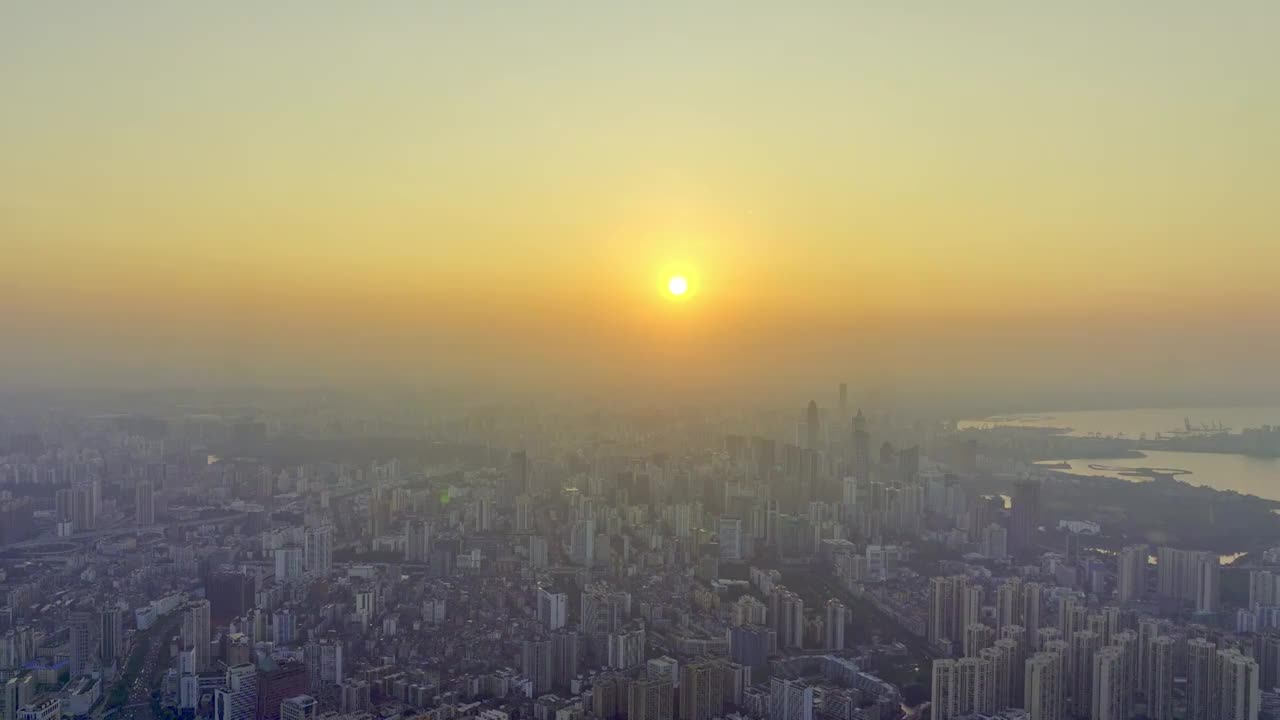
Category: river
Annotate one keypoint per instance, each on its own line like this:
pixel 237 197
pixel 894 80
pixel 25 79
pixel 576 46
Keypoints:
pixel 1222 471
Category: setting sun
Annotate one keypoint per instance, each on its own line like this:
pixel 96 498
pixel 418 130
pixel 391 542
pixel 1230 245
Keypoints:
pixel 678 285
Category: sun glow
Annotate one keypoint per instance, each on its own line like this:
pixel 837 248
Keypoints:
pixel 677 285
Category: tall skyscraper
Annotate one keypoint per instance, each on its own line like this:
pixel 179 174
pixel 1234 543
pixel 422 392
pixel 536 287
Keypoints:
pixel 1025 519
pixel 239 699
pixel 1044 678
pixel 844 400
pixel 1238 692
pixel 552 608
pixel 582 540
pixel 1131 575
pixel 1084 643
pixel 417 541
pixel 837 618
pixel 701 691
pixel 518 474
pixel 524 513
pixel 730 539
pixel 811 426
pixel 1108 685
pixel 1160 667
pixel 790 700
pixel 81 650
pixel 1208 574
pixel 976 676
pixel 196 632
pixel 650 700
pixel 861 448
pixel 288 564
pixel 318 551
pixel 564 659
pixel 977 637
pixel 954 605
pixel 144 504
pixel 1202 657
pixel 110 635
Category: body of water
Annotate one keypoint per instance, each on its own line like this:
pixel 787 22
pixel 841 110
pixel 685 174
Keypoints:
pixel 1223 471
pixel 1248 475
pixel 1135 423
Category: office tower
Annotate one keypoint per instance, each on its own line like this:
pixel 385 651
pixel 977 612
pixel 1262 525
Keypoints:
pixel 1025 521
pixel 977 637
pixel 1084 643
pixel 196 632
pixel 239 699
pixel 976 676
pixel 861 449
pixel 1208 572
pixel 518 473
pixel 1238 693
pixel 1108 685
pixel 1201 677
pixel 701 691
pixel 144 504
pixel 1160 665
pixel 1043 696
pixel 278 683
pixel 564 658
pixel 524 514
pixel 609 696
pixel 299 707
pixel 1269 663
pixel 1131 573
pixel 844 400
pixel 81 648
pixel 811 426
pixel 790 700
pixel 288 564
pixel 318 550
pixel 730 538
pixel 535 664
pixel 837 618
pixel 417 541
pixel 110 635
pixel 582 542
pixel 552 608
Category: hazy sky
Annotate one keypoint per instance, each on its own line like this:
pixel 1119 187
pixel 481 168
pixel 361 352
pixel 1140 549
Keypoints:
pixel 940 189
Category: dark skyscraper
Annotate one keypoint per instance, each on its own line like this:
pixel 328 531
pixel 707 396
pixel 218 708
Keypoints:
pixel 518 473
pixel 844 400
pixel 861 448
pixel 1026 514
pixel 811 426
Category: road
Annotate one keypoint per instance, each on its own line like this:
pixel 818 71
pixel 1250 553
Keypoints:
pixel 128 530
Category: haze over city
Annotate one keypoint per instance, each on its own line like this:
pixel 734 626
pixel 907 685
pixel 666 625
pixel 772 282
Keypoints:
pixel 639 361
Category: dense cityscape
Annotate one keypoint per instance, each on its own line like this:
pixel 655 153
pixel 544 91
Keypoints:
pixel 303 560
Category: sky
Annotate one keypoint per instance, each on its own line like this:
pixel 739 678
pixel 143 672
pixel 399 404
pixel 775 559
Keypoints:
pixel 930 194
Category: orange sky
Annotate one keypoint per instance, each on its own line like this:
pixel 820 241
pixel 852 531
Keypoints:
pixel 324 189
